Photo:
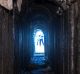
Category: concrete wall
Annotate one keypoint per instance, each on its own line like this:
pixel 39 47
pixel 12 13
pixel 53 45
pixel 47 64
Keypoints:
pixel 6 42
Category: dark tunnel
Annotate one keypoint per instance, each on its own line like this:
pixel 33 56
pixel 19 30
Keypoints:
pixel 39 36
pixel 41 16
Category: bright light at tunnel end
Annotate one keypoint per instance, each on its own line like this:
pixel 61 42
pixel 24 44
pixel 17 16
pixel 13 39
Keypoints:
pixel 39 41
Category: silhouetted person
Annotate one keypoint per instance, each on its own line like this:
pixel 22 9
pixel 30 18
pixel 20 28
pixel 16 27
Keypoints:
pixel 40 40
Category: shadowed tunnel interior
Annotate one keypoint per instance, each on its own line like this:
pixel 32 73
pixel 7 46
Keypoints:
pixel 39 36
pixel 43 16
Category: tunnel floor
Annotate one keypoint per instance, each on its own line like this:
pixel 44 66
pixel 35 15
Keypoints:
pixel 46 70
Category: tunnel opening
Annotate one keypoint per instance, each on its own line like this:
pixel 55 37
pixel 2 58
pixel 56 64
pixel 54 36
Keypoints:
pixel 39 42
pixel 53 46
pixel 39 47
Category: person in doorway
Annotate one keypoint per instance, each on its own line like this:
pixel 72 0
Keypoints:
pixel 40 40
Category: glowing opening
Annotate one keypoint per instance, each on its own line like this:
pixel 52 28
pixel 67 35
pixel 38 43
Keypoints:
pixel 39 49
pixel 39 42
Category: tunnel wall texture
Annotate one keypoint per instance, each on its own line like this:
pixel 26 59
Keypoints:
pixel 67 48
pixel 6 42
pixel 78 27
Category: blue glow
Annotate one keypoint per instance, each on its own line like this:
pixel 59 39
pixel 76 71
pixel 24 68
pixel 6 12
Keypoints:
pixel 38 59
pixel 39 41
pixel 39 50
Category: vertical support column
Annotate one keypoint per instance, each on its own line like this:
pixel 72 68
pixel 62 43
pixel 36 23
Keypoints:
pixel 78 26
pixel 1 40
pixel 73 23
pixel 72 40
pixel 6 42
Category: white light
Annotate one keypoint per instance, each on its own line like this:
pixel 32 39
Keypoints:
pixel 39 41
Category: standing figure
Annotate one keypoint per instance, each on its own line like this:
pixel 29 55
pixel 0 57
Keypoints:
pixel 40 40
